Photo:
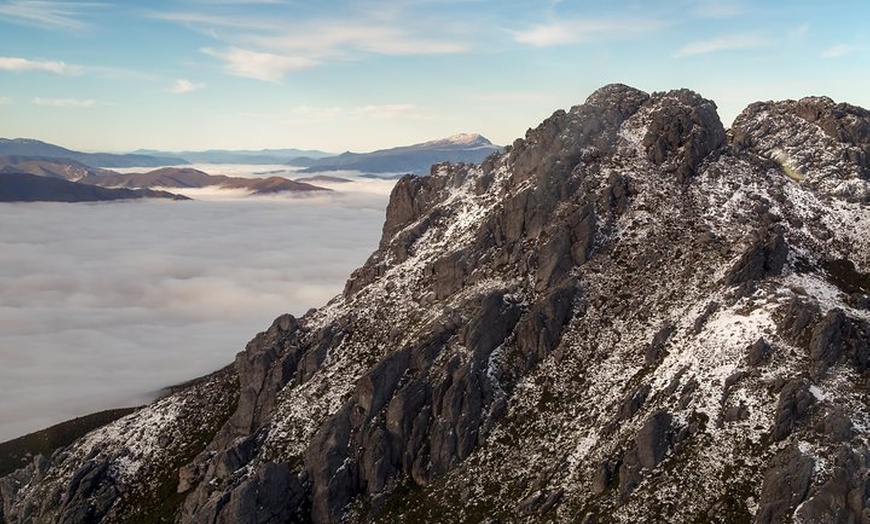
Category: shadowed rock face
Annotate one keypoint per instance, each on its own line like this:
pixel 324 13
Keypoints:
pixel 625 317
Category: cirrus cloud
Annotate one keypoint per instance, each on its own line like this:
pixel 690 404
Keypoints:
pixel 563 32
pixel 47 14
pixel 270 48
pixel 12 63
pixel 340 38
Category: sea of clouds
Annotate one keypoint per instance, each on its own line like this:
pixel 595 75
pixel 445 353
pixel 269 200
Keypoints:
pixel 102 305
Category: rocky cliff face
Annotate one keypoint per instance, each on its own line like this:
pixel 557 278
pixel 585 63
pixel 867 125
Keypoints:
pixel 630 315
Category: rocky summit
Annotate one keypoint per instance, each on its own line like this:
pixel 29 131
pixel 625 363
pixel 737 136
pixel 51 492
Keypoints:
pixel 630 315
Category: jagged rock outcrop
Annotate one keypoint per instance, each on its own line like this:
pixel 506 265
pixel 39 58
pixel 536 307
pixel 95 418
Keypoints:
pixel 629 315
pixel 815 140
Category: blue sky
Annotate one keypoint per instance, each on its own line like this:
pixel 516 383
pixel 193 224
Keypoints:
pixel 362 75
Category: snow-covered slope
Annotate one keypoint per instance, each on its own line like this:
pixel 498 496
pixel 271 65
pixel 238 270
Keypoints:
pixel 629 316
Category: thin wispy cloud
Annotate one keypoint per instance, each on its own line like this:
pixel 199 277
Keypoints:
pixel 839 50
pixel 10 63
pixel 340 38
pixel 5 100
pixel 64 102
pixel 268 67
pixel 47 14
pixel 208 22
pixel 563 32
pixel 270 48
pixel 721 44
pixel 183 86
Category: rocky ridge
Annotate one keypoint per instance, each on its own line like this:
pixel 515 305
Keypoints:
pixel 186 178
pixel 16 186
pixel 631 314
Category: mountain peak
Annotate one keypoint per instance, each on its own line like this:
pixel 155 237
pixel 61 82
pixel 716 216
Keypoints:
pixel 629 315
pixel 415 158
pixel 462 139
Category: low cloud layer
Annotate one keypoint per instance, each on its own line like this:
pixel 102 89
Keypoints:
pixel 101 305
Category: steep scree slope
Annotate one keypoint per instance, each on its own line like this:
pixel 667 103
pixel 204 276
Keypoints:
pixel 629 316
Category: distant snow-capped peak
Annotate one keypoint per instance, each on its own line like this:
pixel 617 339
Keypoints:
pixel 470 140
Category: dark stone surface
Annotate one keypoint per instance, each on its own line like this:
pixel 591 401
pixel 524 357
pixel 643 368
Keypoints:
pixel 656 349
pixel 795 402
pixel 632 402
pixel 786 483
pixel 266 365
pixel 604 476
pixel 630 474
pixel 530 503
pixel 837 425
pixel 539 331
pixel 845 496
pixel 684 130
pixel 766 256
pixel 89 495
pixel 796 319
pixel 551 501
pixel 654 439
pixel 759 353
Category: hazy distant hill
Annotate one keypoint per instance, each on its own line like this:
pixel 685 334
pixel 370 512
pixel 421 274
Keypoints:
pixel 64 168
pixel 417 158
pixel 24 187
pixel 193 178
pixel 244 156
pixel 36 148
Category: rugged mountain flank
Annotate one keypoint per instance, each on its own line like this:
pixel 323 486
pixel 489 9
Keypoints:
pixel 630 315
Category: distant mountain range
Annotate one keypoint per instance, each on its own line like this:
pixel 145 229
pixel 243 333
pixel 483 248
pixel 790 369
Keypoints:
pixel 418 158
pixel 64 168
pixel 223 156
pixel 40 158
pixel 174 177
pixel 36 148
pixel 32 170
pixel 25 187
